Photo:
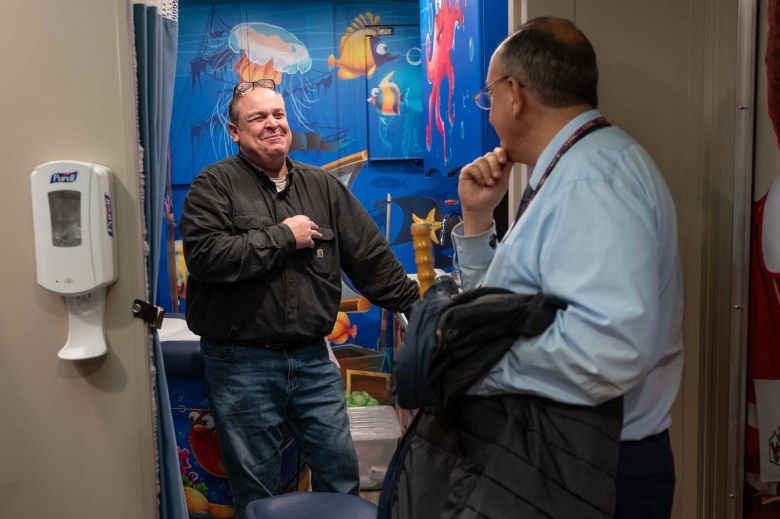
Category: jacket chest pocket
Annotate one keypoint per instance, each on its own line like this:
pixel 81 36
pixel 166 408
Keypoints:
pixel 323 255
pixel 247 221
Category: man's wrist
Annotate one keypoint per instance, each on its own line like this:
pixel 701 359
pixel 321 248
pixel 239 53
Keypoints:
pixel 476 222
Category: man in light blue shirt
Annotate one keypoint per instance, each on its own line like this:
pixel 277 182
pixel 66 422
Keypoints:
pixel 598 230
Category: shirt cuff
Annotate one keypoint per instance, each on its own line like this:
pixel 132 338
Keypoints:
pixel 284 237
pixel 476 251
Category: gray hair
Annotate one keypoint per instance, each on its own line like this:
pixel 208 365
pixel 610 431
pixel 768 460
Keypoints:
pixel 552 57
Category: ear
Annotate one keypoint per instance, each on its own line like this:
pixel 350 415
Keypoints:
pixel 233 129
pixel 519 99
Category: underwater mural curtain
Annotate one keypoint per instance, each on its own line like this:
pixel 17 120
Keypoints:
pixel 156 30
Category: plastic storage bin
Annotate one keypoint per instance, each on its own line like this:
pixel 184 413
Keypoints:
pixel 375 433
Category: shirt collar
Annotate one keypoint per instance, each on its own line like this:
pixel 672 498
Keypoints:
pixel 555 144
pixel 291 168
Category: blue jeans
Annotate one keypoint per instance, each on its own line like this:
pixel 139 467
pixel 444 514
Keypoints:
pixel 253 391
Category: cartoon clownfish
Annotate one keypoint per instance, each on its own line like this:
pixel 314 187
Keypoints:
pixel 387 96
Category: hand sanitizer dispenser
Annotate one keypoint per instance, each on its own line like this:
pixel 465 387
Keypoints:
pixel 75 246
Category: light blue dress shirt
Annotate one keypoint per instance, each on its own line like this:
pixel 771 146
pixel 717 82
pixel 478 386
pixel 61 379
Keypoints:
pixel 601 234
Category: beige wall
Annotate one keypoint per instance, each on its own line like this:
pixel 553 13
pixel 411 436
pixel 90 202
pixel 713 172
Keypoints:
pixel 75 437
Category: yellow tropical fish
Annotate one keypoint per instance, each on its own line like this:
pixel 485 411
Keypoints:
pixel 387 96
pixel 354 58
pixel 341 330
pixel 181 271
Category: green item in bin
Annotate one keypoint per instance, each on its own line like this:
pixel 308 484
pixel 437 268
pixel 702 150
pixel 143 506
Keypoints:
pixel 361 399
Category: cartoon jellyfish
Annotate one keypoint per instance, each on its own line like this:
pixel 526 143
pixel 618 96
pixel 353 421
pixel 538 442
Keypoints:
pixel 268 52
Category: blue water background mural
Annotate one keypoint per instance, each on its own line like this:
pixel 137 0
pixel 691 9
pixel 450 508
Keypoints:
pixel 367 87
pixel 354 97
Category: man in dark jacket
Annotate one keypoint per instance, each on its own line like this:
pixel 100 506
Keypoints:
pixel 265 241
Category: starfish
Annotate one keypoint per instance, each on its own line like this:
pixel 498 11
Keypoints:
pixel 430 220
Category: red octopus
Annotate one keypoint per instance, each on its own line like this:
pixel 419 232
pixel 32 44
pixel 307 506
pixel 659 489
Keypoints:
pixel 439 65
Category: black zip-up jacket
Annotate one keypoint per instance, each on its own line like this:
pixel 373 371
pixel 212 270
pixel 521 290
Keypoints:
pixel 500 456
pixel 248 283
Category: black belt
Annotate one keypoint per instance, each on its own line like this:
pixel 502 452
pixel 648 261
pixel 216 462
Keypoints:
pixel 273 346
pixel 279 346
pixel 662 436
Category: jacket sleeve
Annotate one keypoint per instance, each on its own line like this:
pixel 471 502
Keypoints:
pixel 218 249
pixel 368 260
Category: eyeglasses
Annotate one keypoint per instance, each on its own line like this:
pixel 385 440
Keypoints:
pixel 244 88
pixel 484 97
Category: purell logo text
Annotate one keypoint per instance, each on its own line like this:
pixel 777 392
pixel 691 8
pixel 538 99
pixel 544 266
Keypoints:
pixel 109 217
pixel 63 177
